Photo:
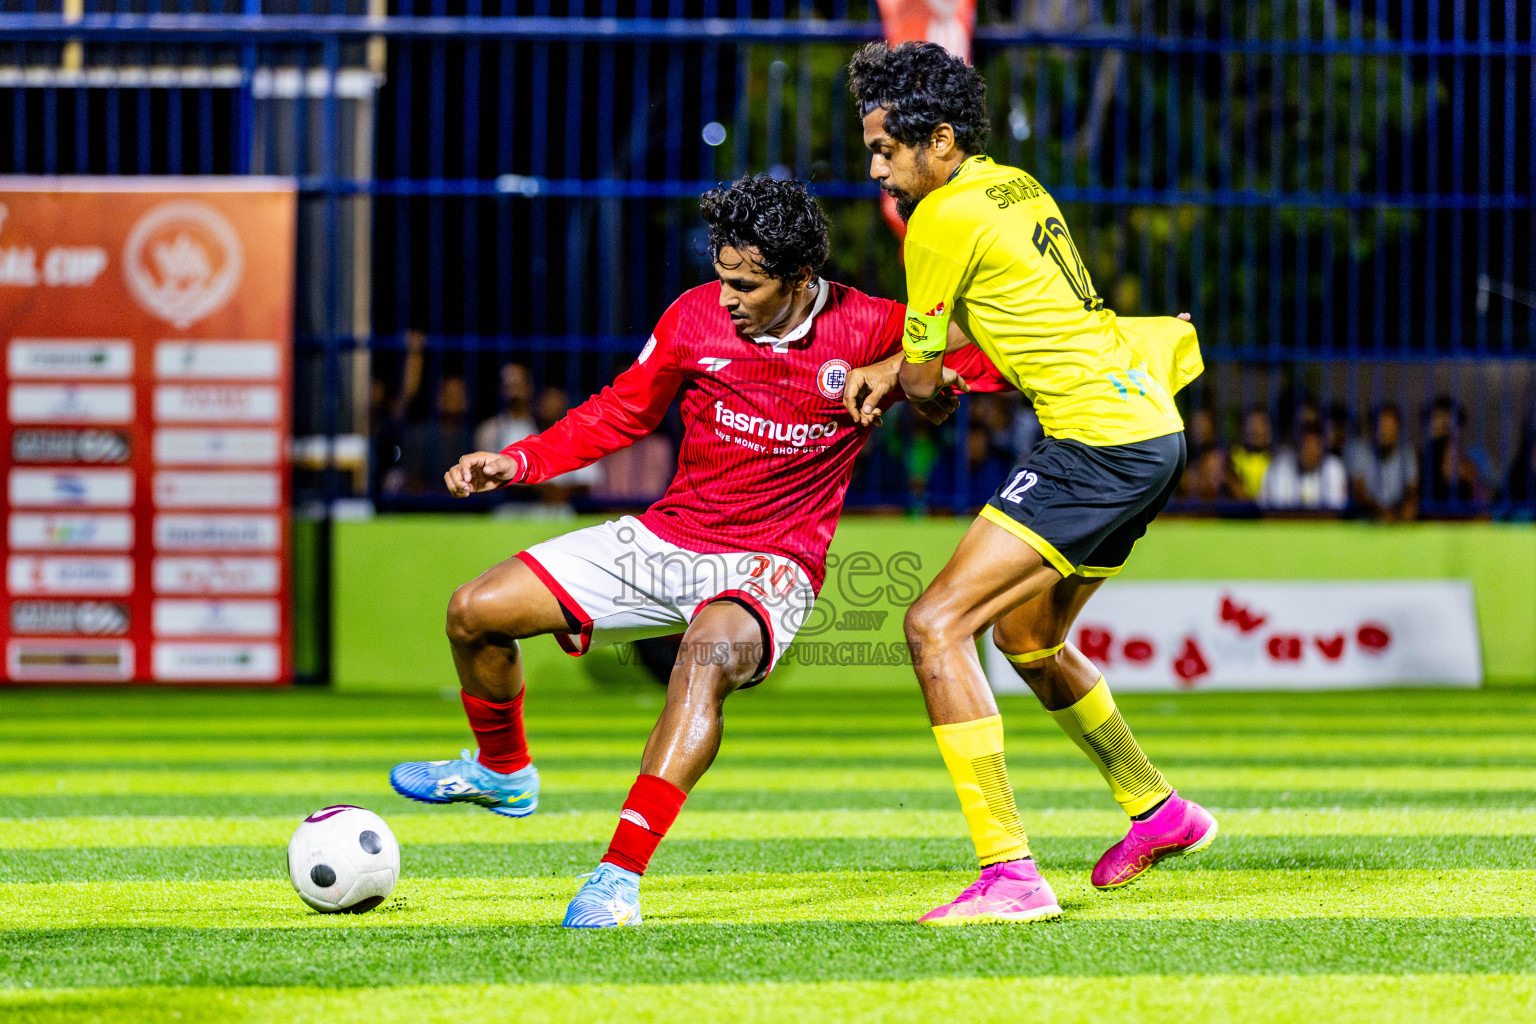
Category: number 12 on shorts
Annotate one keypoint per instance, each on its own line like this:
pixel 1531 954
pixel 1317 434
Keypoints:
pixel 1014 492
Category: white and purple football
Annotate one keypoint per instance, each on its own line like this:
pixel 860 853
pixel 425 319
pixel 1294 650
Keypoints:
pixel 343 858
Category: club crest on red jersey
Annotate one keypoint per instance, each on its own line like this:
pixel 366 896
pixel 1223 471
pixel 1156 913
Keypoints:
pixel 831 378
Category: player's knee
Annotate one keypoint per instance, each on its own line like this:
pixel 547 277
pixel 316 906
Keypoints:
pixel 469 615
pixel 925 623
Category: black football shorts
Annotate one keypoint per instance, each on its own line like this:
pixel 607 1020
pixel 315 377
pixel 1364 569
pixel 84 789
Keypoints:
pixel 1083 507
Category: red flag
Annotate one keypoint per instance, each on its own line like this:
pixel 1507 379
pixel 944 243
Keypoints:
pixel 946 22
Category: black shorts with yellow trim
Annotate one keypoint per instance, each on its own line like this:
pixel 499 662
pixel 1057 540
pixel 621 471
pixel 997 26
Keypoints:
pixel 1083 507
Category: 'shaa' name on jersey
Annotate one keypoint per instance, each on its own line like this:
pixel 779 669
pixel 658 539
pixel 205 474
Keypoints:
pixel 797 435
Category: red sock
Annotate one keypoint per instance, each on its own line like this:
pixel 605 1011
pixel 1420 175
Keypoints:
pixel 650 810
pixel 499 731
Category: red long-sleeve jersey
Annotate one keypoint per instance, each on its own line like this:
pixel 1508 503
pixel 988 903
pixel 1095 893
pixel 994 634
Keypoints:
pixel 767 448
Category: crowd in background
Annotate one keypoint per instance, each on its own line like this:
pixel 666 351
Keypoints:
pixel 1317 462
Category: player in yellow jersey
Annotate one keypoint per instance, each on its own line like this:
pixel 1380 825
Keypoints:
pixel 988 251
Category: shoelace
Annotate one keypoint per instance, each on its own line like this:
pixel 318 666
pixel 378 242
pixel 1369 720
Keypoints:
pixel 608 885
pixel 976 888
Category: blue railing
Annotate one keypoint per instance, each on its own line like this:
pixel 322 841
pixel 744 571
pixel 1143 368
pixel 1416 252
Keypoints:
pixel 1341 193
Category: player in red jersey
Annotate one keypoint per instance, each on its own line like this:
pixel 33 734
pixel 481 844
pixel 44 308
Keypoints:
pixel 777 369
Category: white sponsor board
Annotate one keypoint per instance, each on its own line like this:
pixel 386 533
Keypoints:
pixel 216 403
pixel 57 358
pixel 183 617
pixel 215 446
pixel 33 531
pixel 186 575
pixel 217 490
pixel 216 533
pixel 70 660
pixel 218 360
pixel 65 574
pixel 215 662
pixel 84 618
pixel 71 403
pixel 70 488
pixel 1163 637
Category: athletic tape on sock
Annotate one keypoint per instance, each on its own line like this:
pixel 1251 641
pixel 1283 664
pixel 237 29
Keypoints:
pixel 1029 656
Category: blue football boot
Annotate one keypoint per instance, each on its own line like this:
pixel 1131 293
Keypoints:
pixel 611 897
pixel 515 794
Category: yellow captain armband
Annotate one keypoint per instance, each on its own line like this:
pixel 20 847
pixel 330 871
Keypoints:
pixel 927 335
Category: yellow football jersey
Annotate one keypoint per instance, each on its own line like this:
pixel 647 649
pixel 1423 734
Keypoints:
pixel 990 249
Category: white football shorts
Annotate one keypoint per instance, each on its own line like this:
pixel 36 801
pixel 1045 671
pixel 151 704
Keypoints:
pixel 621 582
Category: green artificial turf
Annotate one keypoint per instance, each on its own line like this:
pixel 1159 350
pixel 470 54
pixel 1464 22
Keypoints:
pixel 1375 861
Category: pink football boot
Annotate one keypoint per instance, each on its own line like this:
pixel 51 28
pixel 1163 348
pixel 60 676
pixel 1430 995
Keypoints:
pixel 1010 891
pixel 1179 826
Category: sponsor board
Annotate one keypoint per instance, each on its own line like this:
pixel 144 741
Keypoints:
pixel 190 489
pixel 1165 637
pixel 184 575
pixel 218 360
pixel 69 661
pixel 69 574
pixel 216 662
pixel 66 618
pixel 178 617
pixel 217 403
pixel 56 358
pixel 71 403
pixel 217 533
pixel 76 488
pixel 146 371
pixel 37 444
pixel 215 446
pixel 42 531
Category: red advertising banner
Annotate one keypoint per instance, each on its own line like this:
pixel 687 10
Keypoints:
pixel 147 327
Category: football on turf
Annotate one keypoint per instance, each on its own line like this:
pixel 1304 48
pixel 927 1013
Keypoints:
pixel 343 858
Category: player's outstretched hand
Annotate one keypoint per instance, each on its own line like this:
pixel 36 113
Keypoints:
pixel 867 387
pixel 479 472
pixel 945 400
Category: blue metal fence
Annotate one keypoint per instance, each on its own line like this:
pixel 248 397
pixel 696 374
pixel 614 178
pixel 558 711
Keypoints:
pixel 1341 193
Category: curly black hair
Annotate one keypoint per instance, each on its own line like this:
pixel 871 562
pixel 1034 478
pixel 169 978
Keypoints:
pixel 777 218
pixel 921 86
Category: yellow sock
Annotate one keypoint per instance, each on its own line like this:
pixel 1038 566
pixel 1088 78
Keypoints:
pixel 973 753
pixel 1095 725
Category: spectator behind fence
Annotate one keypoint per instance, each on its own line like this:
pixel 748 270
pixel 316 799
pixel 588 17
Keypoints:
pixel 436 438
pixel 636 475
pixel 1384 472
pixel 1454 471
pixel 1519 495
pixel 994 415
pixel 1338 433
pixel 515 420
pixel 1206 478
pixel 1250 460
pixel 552 407
pixel 1308 479
pixel 988 468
